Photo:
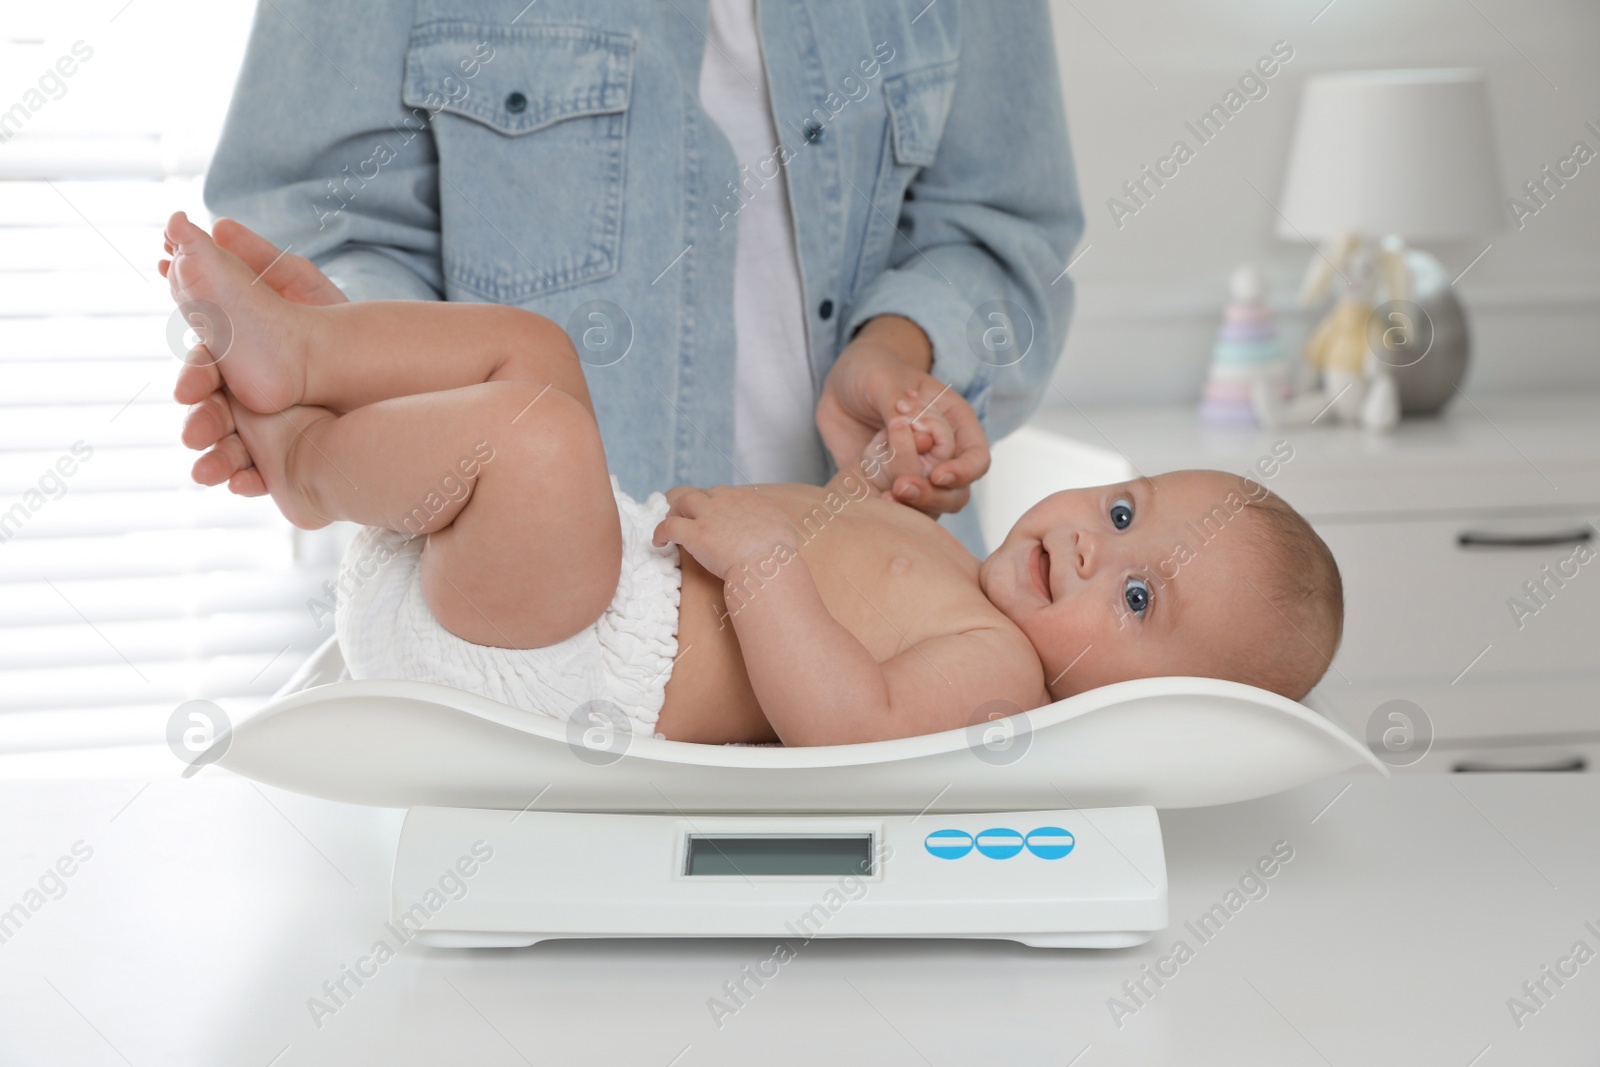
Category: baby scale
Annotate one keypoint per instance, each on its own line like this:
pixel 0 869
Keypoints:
pixel 1039 828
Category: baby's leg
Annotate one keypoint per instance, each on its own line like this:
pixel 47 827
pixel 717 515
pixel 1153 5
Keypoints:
pixel 508 480
pixel 272 353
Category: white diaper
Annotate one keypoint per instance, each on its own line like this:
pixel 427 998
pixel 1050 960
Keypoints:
pixel 386 629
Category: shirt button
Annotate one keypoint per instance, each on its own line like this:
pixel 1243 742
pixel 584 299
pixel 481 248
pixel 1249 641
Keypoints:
pixel 825 309
pixel 813 131
pixel 516 103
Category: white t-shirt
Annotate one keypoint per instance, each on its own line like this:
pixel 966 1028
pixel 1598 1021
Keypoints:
pixel 775 402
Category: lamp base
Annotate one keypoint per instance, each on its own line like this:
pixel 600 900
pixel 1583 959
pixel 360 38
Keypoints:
pixel 1431 360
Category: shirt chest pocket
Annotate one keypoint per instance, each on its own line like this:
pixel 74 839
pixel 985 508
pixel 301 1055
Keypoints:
pixel 530 125
pixel 917 104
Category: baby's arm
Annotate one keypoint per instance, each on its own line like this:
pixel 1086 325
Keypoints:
pixel 818 685
pixel 815 681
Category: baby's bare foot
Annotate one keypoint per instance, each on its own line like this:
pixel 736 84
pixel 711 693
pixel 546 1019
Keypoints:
pixel 270 443
pixel 257 331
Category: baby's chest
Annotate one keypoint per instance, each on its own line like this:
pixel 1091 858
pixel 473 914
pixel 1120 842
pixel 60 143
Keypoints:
pixel 891 590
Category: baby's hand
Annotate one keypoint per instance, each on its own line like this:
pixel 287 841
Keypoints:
pixel 914 442
pixel 725 526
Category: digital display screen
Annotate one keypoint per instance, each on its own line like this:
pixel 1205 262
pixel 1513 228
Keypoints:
pixel 779 854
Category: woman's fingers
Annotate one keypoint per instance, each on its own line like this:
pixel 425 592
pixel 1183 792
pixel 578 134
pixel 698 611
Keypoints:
pixel 936 438
pixel 869 389
pixel 844 435
pixel 257 252
pixel 291 277
pixel 916 491
pixel 971 459
pixel 207 422
pixel 247 483
pixel 959 451
pixel 198 378
pixel 228 458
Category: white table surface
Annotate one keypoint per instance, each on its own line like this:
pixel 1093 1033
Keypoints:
pixel 212 909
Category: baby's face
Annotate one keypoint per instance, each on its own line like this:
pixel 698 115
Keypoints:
pixel 1140 579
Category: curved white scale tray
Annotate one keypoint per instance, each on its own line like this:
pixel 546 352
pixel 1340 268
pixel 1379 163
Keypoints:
pixel 1163 742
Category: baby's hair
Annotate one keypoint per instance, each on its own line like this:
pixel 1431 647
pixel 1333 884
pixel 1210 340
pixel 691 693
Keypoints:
pixel 1301 581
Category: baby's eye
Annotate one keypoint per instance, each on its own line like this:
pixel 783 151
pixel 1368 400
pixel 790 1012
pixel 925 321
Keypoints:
pixel 1121 513
pixel 1137 593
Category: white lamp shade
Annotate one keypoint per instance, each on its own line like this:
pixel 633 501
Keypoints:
pixel 1408 152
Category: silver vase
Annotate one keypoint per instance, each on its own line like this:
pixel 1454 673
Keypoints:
pixel 1423 341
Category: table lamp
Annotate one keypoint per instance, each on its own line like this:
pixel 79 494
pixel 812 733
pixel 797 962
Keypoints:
pixel 1380 158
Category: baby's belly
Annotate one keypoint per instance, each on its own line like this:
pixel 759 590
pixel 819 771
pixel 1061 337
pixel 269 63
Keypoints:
pixel 709 698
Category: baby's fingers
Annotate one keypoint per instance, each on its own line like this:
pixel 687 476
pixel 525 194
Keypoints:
pixel 941 434
pixel 673 529
pixel 903 457
pixel 874 458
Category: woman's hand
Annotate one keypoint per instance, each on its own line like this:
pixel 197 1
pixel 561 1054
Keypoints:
pixel 877 378
pixel 930 437
pixel 726 526
pixel 292 277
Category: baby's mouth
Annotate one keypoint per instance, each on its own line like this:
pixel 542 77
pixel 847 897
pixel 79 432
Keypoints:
pixel 1039 568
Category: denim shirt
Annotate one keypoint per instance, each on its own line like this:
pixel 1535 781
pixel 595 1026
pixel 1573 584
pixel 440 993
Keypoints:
pixel 557 158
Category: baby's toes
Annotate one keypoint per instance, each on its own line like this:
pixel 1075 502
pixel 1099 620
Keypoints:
pixel 182 234
pixel 194 258
pixel 207 423
pixel 219 465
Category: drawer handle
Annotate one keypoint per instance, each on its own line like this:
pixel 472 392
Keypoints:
pixel 1559 765
pixel 1470 539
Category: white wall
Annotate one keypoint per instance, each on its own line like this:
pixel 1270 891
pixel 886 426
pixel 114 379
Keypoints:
pixel 1150 292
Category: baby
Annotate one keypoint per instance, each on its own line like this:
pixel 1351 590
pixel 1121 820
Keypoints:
pixel 501 557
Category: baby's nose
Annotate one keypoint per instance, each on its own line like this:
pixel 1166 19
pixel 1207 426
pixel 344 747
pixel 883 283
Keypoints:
pixel 1085 550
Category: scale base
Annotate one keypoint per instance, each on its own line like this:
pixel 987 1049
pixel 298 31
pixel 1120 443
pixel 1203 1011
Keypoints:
pixel 1079 878
pixel 1105 939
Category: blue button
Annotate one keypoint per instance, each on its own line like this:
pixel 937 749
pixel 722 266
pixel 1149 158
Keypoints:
pixel 949 844
pixel 1049 842
pixel 999 844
